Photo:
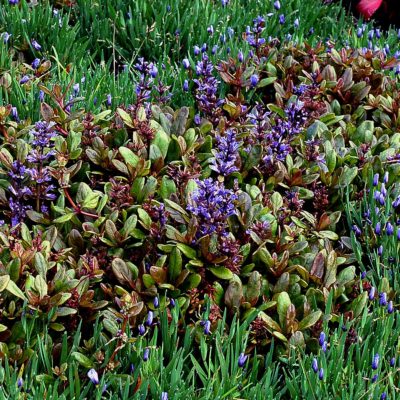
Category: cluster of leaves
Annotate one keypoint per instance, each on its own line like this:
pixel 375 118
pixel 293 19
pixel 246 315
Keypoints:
pixel 116 215
pixel 97 47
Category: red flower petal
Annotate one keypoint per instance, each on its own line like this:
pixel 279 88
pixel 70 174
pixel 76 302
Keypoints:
pixel 368 7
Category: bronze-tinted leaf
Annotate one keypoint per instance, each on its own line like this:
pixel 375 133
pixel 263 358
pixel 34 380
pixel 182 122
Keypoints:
pixel 318 268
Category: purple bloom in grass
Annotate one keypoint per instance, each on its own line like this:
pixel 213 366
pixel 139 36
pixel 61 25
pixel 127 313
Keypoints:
pixel 382 299
pixel 296 23
pixel 378 228
pixel 374 378
pixel 386 178
pixel 242 360
pixel 383 190
pixel 104 388
pixel 172 303
pixel 359 32
pixel 383 396
pixel 321 374
pixel 6 37
pixel 240 56
pixel 197 119
pixel 207 328
pixel 35 63
pixel 14 113
pixel 41 96
pixel 314 365
pixel 380 250
pixel 156 302
pixel 146 354
pixel 282 19
pixel 378 33
pixel 164 396
pixel 186 63
pixel 153 71
pixel 149 319
pixel 392 362
pixel 36 45
pixel 186 85
pixel 24 79
pixel 224 3
pixel 210 30
pixel 324 347
pixel 356 230
pixel 225 157
pixel 376 180
pixel 375 362
pixel 363 274
pixel 214 50
pixel 196 50
pixel 142 330
pixel 371 294
pixel 389 229
pixel 322 338
pixel 93 376
pixel 204 48
pixel 76 89
pixel 390 308
pixel 109 100
pixel 277 5
pixel 20 383
pixel 131 369
pixel 254 80
pixel 13 2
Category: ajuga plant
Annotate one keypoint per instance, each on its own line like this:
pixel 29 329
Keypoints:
pixel 237 200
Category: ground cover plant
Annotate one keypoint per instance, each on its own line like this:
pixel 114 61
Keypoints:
pixel 212 222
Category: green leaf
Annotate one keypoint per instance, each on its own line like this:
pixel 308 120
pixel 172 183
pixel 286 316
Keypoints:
pixel 41 265
pixel 277 201
pixel 187 250
pixel 310 320
pixel 15 290
pixel 348 176
pixel 359 304
pixel 175 264
pixel 63 218
pixel 129 156
pixel 221 272
pixel 82 359
pixel 4 279
pixel 40 286
pixel 283 303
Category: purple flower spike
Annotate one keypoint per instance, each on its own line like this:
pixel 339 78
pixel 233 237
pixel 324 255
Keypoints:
pixel 277 5
pixel 383 396
pixel 186 63
pixel 390 308
pixel 392 362
pixel 224 161
pixel 374 378
pixel 164 396
pixel 20 383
